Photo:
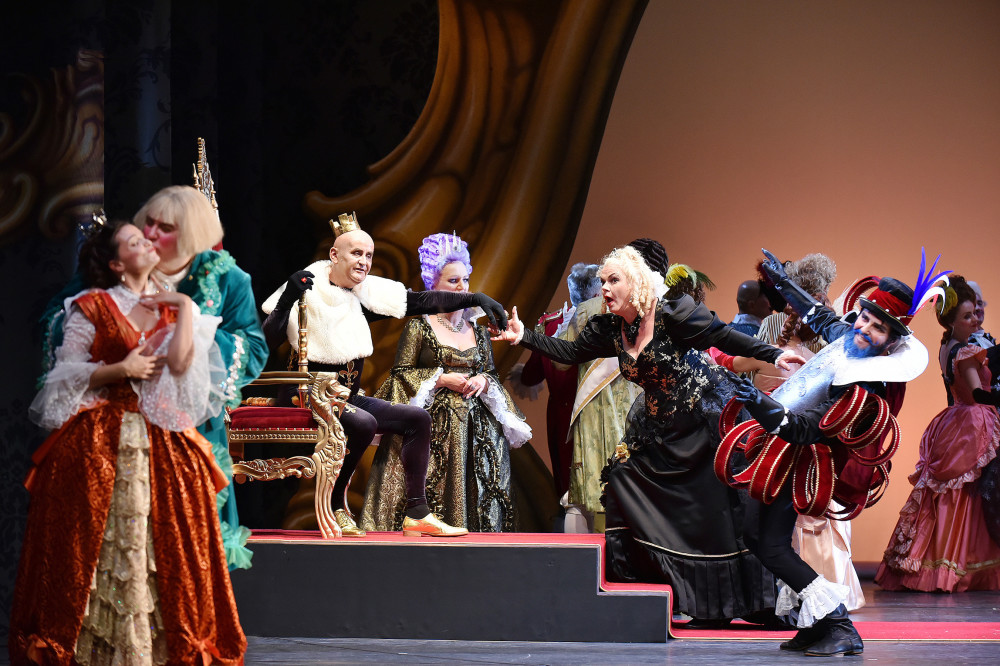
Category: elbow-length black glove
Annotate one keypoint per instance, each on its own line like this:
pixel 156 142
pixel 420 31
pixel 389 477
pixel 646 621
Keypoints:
pixel 299 283
pixel 275 324
pixel 767 411
pixel 429 302
pixel 800 300
pixel 817 316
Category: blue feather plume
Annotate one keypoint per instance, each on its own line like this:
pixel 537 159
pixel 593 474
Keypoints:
pixel 924 290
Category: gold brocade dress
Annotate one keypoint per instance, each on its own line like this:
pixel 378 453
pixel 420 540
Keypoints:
pixel 122 560
pixel 469 473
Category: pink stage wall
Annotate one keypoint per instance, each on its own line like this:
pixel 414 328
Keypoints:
pixel 861 129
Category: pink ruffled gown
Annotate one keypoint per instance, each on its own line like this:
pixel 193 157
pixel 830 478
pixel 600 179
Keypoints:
pixel 941 542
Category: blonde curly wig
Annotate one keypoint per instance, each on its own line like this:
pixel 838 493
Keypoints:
pixel 641 279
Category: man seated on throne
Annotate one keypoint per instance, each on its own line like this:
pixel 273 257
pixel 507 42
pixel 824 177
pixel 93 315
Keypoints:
pixel 342 299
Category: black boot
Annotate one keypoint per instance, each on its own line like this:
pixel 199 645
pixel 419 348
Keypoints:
pixel 804 638
pixel 839 636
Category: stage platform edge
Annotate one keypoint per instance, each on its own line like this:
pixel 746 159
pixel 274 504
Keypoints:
pixel 484 587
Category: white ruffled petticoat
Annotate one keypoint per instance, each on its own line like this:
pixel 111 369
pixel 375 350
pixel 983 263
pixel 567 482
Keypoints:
pixel 121 622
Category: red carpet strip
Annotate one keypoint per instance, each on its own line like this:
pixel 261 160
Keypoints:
pixel 870 631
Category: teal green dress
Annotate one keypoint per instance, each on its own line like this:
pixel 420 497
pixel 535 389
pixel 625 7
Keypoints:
pixel 219 287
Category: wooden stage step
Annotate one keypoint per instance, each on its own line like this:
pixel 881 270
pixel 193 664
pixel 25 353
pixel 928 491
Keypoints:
pixel 483 587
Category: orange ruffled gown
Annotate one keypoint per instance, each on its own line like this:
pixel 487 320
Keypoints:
pixel 941 542
pixel 84 501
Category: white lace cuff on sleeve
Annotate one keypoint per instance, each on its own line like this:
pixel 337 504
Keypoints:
pixel 515 429
pixel 425 395
pixel 67 385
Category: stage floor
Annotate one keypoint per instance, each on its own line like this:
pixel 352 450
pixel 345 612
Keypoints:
pixel 882 607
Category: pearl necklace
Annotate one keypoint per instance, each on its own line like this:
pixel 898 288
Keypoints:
pixel 454 328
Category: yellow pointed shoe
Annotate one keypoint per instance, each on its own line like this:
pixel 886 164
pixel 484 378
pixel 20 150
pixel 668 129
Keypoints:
pixel 430 525
pixel 348 527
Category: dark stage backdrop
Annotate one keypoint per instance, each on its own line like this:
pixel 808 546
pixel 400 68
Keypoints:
pixel 102 102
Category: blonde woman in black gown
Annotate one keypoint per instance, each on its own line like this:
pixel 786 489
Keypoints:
pixel 669 520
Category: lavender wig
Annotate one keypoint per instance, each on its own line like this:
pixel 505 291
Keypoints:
pixel 439 250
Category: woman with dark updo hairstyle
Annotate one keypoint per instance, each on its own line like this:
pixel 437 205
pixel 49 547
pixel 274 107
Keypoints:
pixel 97 252
pixel 942 541
pixel 122 560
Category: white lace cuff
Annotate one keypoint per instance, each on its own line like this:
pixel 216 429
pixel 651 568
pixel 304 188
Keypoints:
pixel 515 429
pixel 817 600
pixel 67 385
pixel 66 392
pixel 425 395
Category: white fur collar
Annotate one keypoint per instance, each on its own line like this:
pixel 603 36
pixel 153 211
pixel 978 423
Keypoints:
pixel 338 329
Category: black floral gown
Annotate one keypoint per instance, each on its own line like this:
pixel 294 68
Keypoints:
pixel 669 519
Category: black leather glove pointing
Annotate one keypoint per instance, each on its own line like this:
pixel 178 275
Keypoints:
pixel 773 267
pixel 493 309
pixel 297 285
pixel 765 410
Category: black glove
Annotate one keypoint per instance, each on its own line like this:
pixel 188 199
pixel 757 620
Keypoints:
pixel 800 300
pixel 297 285
pixel 494 311
pixel 773 267
pixel 984 397
pixel 765 410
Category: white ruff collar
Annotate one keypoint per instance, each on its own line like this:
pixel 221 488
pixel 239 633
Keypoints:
pixel 904 364
pixel 338 330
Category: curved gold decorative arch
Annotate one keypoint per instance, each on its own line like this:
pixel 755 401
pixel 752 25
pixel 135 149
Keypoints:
pixel 503 151
pixel 52 162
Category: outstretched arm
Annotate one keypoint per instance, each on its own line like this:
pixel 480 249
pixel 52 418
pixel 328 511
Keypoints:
pixel 596 340
pixel 431 301
pixel 694 325
pixel 814 314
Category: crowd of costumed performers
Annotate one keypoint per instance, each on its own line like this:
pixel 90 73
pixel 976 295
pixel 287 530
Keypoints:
pixel 725 460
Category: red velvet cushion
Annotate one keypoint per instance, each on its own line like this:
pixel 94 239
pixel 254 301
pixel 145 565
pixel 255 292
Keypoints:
pixel 257 418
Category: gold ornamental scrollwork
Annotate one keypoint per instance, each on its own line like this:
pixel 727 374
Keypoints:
pixel 327 401
pixel 270 469
pixel 328 398
pixel 52 163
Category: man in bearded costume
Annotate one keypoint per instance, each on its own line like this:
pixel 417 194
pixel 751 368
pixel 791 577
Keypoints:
pixel 815 423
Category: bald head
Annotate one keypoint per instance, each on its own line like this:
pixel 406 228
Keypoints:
pixel 351 258
pixel 750 299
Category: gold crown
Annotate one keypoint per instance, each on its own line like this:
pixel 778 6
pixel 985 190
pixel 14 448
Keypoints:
pixel 345 223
